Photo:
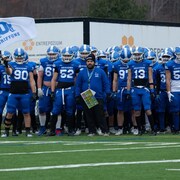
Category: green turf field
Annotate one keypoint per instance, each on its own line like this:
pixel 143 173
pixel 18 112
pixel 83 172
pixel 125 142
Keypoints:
pixel 90 158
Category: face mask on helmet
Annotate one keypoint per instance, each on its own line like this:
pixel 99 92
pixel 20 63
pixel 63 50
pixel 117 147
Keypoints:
pixel 114 56
pixel 165 58
pixel 108 52
pixel 84 51
pixel 138 54
pixel 178 57
pixel 101 55
pixel 151 55
pixel 53 53
pixel 6 56
pixel 19 55
pixel 67 55
pixel 94 50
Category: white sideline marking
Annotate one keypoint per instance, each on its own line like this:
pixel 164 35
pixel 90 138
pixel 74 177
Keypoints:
pixel 87 142
pixel 87 165
pixel 86 150
pixel 173 169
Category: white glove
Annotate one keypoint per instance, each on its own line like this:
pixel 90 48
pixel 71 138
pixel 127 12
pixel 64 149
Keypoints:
pixel 170 96
pixel 40 92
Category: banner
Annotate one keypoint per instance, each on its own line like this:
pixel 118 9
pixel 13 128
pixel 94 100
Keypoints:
pixel 16 29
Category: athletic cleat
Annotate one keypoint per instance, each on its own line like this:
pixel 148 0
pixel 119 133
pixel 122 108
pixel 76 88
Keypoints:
pixel 119 132
pixel 71 133
pixel 78 132
pixel 91 134
pixel 99 132
pixel 86 130
pixel 14 134
pixel 59 132
pixel 42 131
pixel 153 133
pixel 65 129
pixel 168 129
pixel 106 134
pixel 35 131
pixel 29 135
pixel 112 130
pixel 51 134
pixel 19 132
pixel 135 132
pixel 5 135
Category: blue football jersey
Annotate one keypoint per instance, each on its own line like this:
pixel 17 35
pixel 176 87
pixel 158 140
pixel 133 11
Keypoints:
pixel 121 69
pixel 160 71
pixel 174 68
pixel 101 63
pixel 139 69
pixel 5 80
pixel 81 62
pixel 48 68
pixel 20 72
pixel 66 71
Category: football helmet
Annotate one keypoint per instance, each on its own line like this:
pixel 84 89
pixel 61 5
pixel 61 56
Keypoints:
pixel 177 53
pixel 166 56
pixel 94 50
pixel 6 55
pixel 53 53
pixel 138 53
pixel 84 51
pixel 67 54
pixel 108 52
pixel 115 48
pixel 101 54
pixel 151 55
pixel 125 55
pixel 114 56
pixel 75 50
pixel 19 55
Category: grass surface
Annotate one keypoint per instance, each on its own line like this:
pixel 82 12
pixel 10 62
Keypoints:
pixel 115 157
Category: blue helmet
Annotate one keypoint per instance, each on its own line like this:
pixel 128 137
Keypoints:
pixel 114 56
pixel 146 50
pixel 75 50
pixel 84 51
pixel 125 55
pixel 108 52
pixel 177 53
pixel 138 53
pixel 67 54
pixel 6 55
pixel 19 55
pixel 101 54
pixel 150 55
pixel 53 53
pixel 166 56
pixel 93 49
pixel 115 48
